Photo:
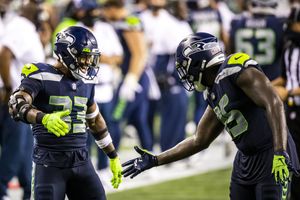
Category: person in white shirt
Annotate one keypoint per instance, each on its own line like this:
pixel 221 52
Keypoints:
pixel 20 44
pixel 111 57
pixel 163 31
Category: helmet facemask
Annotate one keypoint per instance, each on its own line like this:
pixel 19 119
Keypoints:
pixel 191 77
pixel 86 64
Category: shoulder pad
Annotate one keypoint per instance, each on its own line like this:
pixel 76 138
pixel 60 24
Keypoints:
pixel 29 69
pixel 241 59
pixel 40 71
pixel 238 59
pixel 133 22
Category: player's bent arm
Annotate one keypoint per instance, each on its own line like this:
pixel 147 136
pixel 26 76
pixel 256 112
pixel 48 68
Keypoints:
pixel 208 129
pixel 257 87
pixel 99 130
pixel 20 107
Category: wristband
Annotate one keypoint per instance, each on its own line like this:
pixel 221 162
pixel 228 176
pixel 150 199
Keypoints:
pixel 104 142
pixel 39 117
pixel 112 154
pixel 93 114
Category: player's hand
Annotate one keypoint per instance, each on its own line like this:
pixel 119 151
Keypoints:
pixel 129 87
pixel 54 124
pixel 116 169
pixel 280 167
pixel 282 92
pixel 140 164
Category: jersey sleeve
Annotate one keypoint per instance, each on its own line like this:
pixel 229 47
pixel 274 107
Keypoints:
pixel 91 99
pixel 31 85
pixel 239 62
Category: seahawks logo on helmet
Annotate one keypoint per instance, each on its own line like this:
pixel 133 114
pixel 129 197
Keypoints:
pixel 65 38
pixel 201 46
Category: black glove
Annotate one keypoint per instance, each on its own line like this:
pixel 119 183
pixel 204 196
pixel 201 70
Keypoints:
pixel 140 164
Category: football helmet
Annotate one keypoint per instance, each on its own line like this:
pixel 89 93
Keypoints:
pixel 77 49
pixel 194 54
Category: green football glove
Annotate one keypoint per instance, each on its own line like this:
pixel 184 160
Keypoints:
pixel 116 169
pixel 54 124
pixel 280 167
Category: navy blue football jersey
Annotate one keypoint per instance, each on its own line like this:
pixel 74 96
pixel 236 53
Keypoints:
pixel 52 91
pixel 130 23
pixel 260 36
pixel 243 119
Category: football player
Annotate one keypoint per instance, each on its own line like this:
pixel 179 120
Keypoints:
pixel 241 100
pixel 260 35
pixel 58 101
pixel 131 100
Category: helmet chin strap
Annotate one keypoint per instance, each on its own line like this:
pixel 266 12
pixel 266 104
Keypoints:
pixel 197 84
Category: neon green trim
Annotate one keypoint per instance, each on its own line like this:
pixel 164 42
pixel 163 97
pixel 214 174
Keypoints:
pixel 284 190
pixel 28 69
pixel 132 20
pixel 86 50
pixel 238 59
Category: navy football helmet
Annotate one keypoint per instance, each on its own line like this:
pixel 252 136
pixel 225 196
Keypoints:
pixel 77 49
pixel 194 54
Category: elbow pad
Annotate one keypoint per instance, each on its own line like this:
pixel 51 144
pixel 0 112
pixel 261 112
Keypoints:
pixel 19 107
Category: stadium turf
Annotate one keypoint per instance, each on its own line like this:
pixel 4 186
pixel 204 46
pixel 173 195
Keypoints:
pixel 213 185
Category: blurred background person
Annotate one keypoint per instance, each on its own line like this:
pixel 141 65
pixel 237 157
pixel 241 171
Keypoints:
pixel 20 44
pixel 260 34
pixel 111 58
pixel 163 30
pixel 206 17
pixel 131 99
pixel 77 11
pixel 288 85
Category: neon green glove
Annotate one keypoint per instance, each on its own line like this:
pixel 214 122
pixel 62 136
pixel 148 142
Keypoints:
pixel 116 169
pixel 54 124
pixel 280 168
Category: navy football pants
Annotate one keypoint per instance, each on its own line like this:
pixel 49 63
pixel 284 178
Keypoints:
pixel 135 113
pixel 78 183
pixel 265 190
